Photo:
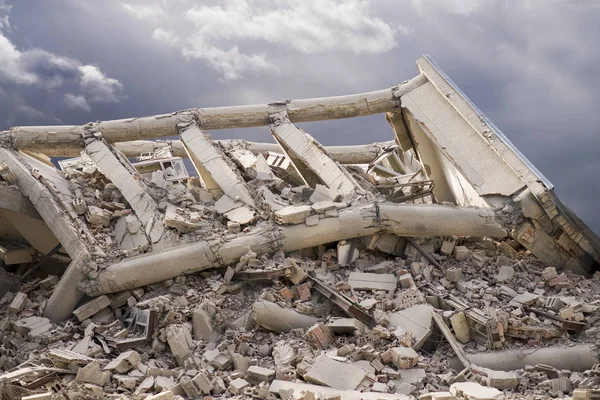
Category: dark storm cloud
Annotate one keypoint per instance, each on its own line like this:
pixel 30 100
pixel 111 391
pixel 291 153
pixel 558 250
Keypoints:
pixel 532 66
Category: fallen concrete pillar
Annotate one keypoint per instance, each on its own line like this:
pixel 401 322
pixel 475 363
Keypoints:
pixel 65 296
pixel 311 161
pixel 275 318
pixel 132 189
pixel 217 175
pixel 398 219
pixel 356 154
pixel 579 357
pixel 42 138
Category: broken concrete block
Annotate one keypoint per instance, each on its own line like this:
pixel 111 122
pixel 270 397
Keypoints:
pixel 406 281
pixel 319 335
pixel 14 256
pixel 461 327
pixel 323 193
pixel 18 304
pixel 92 307
pixel 202 382
pixel 461 253
pixel 293 215
pixel 180 343
pixel 238 386
pixel 346 253
pixel 91 373
pixel 345 326
pixel 549 273
pixel 201 325
pixel 417 320
pixel 453 274
pixel 366 281
pixel 502 379
pixel 474 391
pixel 256 374
pixel 505 274
pixel 49 282
pixel 32 327
pixel 124 362
pixel 166 395
pixel 98 216
pixel 173 220
pixel 403 357
pixel 335 374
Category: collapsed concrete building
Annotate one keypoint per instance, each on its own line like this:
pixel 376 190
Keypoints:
pixel 408 220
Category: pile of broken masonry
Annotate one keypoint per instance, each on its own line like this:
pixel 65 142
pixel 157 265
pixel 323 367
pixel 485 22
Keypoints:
pixel 291 275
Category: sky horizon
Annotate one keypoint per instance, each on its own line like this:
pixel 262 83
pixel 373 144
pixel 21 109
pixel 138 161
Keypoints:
pixel 531 66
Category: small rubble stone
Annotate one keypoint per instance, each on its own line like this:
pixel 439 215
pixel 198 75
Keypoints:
pixel 201 325
pixel 124 362
pixel 91 373
pixel 18 304
pixel 403 357
pixel 461 253
pixel 237 386
pixel 92 307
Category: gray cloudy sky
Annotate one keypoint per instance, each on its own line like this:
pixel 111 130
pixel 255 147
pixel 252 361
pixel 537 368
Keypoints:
pixel 533 66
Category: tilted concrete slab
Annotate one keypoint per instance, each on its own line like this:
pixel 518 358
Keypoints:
pixel 310 159
pixel 11 199
pixel 66 295
pixel 217 175
pixel 130 184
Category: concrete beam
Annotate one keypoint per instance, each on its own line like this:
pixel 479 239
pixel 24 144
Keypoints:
pixel 357 154
pixel 218 176
pixel 310 159
pixel 42 138
pixel 398 219
pixel 62 302
pixel 131 186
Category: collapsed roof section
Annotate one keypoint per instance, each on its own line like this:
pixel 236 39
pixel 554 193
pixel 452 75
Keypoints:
pixel 286 196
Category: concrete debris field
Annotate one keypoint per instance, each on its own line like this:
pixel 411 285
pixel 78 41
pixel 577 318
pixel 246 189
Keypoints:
pixel 438 265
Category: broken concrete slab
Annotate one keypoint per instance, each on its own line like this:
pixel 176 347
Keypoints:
pixel 335 374
pixel 92 307
pixel 417 320
pixel 472 390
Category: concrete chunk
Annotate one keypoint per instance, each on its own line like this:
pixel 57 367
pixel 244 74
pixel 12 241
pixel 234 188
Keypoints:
pixel 403 357
pixel 417 320
pixel 201 325
pixel 238 385
pixel 91 373
pixel 293 215
pixel 124 362
pixel 461 327
pixel 18 303
pixel 366 281
pixel 256 374
pixel 335 374
pixel 180 342
pixel 474 391
pixel 345 326
pixel 92 307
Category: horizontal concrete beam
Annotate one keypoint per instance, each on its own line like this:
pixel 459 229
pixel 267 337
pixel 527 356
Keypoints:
pixel 399 219
pixel 356 154
pixel 43 138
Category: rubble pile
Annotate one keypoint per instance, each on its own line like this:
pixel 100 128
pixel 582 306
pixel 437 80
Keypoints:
pixel 302 325
pixel 438 266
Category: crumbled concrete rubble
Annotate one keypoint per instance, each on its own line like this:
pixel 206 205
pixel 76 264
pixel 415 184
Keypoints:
pixel 287 273
pixel 265 331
